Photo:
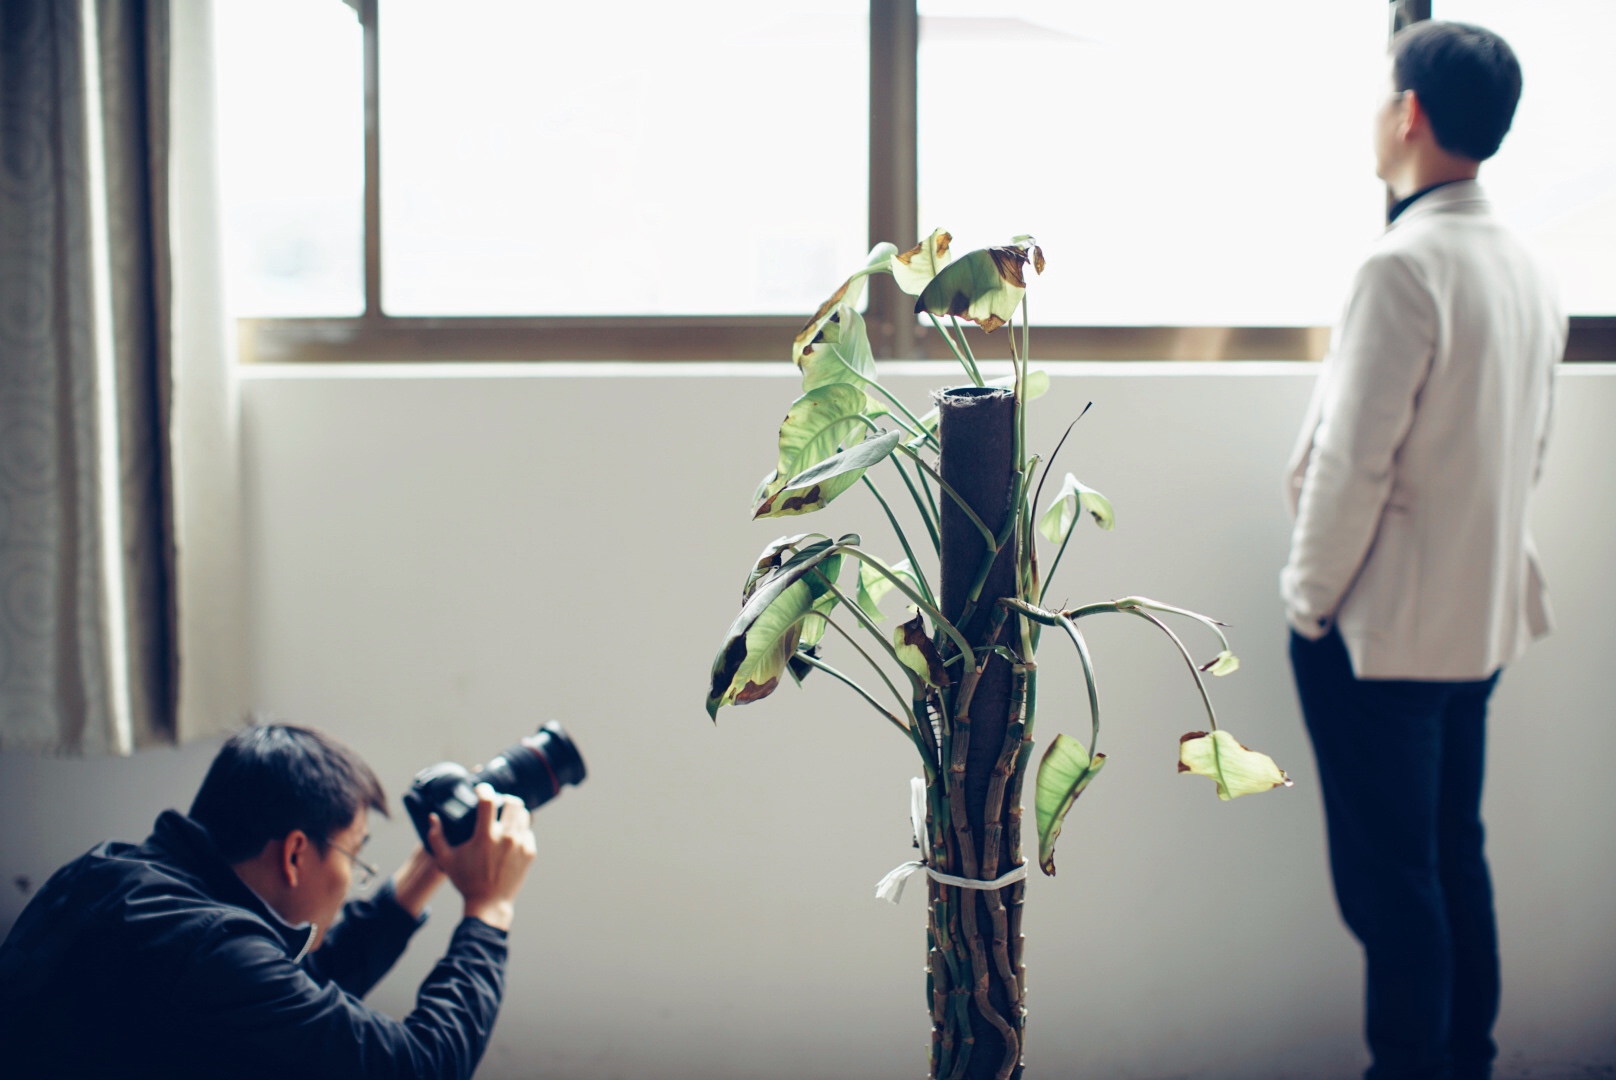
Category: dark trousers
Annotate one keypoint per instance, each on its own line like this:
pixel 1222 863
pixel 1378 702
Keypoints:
pixel 1400 768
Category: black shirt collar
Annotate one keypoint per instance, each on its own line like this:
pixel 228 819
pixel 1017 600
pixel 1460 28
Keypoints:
pixel 1396 209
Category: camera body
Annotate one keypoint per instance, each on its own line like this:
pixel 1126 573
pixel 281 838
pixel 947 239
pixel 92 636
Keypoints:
pixel 534 770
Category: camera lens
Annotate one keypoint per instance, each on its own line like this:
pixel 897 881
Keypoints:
pixel 535 769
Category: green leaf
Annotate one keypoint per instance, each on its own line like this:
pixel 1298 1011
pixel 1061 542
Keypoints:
pixel 814 626
pixel 1062 775
pixel 1057 521
pixel 1238 771
pixel 917 652
pixel 765 635
pixel 776 553
pixel 914 269
pixel 814 488
pixel 873 585
pixel 840 354
pixel 985 287
pixel 877 262
pixel 1225 663
pixel 817 424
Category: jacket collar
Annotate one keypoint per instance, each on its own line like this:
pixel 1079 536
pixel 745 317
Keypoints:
pixel 187 844
pixel 1461 196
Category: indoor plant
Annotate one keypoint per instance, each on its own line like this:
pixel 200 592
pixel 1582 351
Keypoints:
pixel 959 677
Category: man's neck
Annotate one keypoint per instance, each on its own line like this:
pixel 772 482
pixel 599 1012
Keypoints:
pixel 1423 174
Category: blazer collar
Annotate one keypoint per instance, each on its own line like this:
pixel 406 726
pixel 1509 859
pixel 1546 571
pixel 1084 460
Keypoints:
pixel 1462 196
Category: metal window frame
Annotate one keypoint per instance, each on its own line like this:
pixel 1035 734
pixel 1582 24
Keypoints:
pixel 376 336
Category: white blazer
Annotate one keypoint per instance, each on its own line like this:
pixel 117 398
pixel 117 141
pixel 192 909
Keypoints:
pixel 1411 481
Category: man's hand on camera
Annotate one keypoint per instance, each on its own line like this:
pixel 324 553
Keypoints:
pixel 489 868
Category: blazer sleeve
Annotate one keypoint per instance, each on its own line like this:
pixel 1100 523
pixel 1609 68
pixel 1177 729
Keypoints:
pixel 1384 351
pixel 265 1016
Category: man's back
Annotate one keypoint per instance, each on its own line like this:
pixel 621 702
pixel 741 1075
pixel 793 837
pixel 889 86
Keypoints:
pixel 1424 444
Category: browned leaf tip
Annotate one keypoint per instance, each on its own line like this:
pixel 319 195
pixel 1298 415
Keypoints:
pixel 943 239
pixel 753 692
pixel 915 636
pixel 1009 261
pixel 810 330
pixel 1038 258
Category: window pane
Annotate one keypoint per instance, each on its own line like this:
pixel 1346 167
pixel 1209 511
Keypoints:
pixel 292 156
pixel 707 157
pixel 1555 176
pixel 1182 163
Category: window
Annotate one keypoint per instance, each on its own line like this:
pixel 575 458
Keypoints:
pixel 532 181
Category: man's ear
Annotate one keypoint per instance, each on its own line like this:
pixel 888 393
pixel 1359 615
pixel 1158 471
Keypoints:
pixel 1414 117
pixel 296 851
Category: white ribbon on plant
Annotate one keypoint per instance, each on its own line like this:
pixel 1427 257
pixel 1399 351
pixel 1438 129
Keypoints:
pixel 890 888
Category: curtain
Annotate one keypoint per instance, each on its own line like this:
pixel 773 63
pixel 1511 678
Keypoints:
pixel 118 475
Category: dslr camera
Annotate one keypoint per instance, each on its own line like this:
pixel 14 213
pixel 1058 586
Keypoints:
pixel 534 770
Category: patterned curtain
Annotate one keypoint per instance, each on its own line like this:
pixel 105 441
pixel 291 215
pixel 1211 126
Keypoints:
pixel 90 617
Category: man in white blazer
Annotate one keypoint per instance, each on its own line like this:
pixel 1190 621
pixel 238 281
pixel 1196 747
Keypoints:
pixel 1412 580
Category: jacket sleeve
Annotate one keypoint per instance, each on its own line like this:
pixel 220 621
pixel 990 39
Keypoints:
pixel 364 944
pixel 1383 356
pixel 266 1017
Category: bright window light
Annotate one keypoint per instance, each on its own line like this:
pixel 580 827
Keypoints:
pixel 708 157
pixel 1182 163
pixel 1554 178
pixel 292 156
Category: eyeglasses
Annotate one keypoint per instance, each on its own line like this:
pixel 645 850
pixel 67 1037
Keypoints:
pixel 364 872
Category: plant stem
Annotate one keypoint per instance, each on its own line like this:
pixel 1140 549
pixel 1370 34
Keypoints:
pixel 930 609
pixel 1088 677
pixel 959 500
pixel 814 661
pixel 1200 684
pixel 914 563
pixel 976 372
pixel 970 368
pixel 919 428
pixel 929 517
pixel 1056 564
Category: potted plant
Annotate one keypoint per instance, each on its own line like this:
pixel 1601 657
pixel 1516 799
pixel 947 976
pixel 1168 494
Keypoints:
pixel 958 678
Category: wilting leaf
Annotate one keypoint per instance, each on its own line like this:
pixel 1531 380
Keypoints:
pixel 1238 771
pixel 914 269
pixel 873 585
pixel 1062 775
pixel 917 653
pixel 1224 663
pixel 776 553
pixel 815 487
pixel 985 286
pixel 818 423
pixel 877 262
pixel 1057 521
pixel 765 635
pixel 840 354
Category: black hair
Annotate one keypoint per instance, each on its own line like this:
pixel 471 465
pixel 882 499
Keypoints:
pixel 1466 79
pixel 271 779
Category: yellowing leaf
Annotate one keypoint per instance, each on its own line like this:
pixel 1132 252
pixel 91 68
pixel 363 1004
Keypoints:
pixel 984 286
pixel 1062 775
pixel 914 269
pixel 1225 663
pixel 1058 519
pixel 877 262
pixel 1238 771
pixel 817 425
pixel 918 654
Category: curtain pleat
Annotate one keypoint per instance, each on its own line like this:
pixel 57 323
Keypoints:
pixel 88 618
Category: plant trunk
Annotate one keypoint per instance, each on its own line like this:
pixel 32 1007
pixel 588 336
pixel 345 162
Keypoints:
pixel 975 975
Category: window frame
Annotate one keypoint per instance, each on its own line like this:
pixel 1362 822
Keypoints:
pixel 377 337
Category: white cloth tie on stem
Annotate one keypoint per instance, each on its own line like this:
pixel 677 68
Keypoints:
pixel 890 888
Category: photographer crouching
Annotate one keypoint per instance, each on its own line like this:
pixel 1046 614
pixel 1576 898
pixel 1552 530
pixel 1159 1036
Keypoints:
pixel 215 948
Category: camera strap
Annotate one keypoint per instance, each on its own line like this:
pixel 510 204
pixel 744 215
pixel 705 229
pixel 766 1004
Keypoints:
pixel 890 888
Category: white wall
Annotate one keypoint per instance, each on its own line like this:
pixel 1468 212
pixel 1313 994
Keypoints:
pixel 443 559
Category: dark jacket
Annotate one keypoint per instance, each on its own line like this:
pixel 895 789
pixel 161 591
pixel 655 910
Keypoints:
pixel 157 961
